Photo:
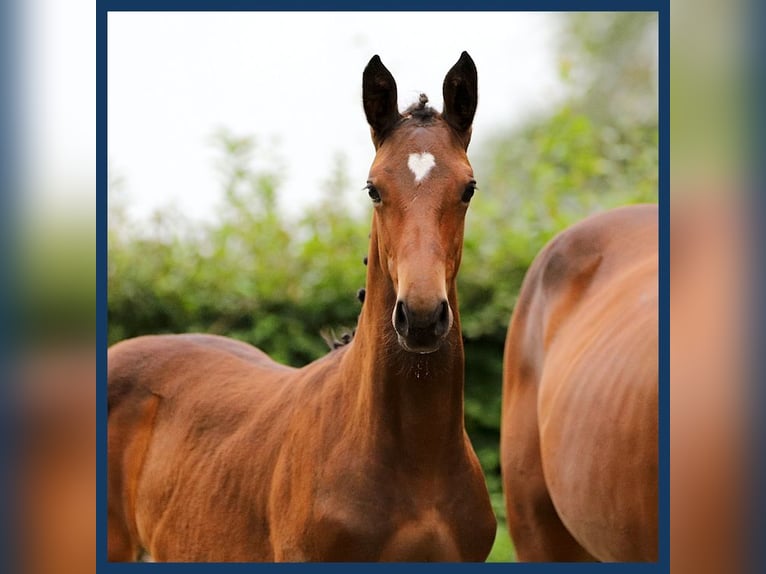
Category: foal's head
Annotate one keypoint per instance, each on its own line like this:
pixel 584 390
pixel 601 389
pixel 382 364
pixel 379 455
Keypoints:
pixel 420 184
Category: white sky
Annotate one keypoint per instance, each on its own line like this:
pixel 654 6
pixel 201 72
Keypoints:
pixel 293 80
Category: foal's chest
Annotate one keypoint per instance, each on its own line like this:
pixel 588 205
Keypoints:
pixel 427 537
pixel 420 536
pixel 386 524
pixel 373 511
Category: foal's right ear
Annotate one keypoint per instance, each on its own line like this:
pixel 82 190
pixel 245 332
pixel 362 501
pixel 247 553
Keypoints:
pixel 380 99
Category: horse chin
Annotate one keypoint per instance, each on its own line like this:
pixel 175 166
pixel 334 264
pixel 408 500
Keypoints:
pixel 420 347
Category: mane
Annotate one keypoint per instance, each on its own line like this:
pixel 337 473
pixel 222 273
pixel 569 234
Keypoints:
pixel 347 335
pixel 420 111
pixel 334 341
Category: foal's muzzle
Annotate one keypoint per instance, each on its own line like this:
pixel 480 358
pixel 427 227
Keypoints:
pixel 421 331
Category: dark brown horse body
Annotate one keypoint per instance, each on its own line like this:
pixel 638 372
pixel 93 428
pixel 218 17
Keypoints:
pixel 217 453
pixel 579 424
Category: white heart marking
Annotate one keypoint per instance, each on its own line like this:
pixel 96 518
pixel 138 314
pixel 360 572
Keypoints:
pixel 421 164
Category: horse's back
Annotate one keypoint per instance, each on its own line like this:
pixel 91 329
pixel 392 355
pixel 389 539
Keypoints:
pixel 152 360
pixel 176 403
pixel 582 352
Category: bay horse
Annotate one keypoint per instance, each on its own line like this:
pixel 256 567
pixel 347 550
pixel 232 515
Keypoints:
pixel 217 453
pixel 579 428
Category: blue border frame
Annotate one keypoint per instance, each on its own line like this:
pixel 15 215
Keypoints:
pixel 664 280
pixel 102 183
pixel 390 5
pixel 659 6
pixel 755 72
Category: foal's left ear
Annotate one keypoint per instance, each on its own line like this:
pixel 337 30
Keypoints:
pixel 460 92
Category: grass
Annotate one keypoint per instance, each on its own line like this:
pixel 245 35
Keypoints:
pixel 502 549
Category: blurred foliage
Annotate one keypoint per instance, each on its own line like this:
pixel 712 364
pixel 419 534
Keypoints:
pixel 275 282
pixel 254 275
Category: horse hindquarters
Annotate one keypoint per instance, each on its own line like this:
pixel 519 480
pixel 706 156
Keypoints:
pixel 535 527
pixel 183 445
pixel 132 410
pixel 598 422
pixel 579 422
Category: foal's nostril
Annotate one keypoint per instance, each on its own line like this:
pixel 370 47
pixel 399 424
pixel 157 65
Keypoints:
pixel 401 323
pixel 442 320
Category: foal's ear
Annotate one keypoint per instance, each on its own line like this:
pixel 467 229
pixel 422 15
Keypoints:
pixel 460 92
pixel 380 99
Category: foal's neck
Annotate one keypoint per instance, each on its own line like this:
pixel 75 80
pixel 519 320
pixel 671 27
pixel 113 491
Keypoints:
pixel 409 402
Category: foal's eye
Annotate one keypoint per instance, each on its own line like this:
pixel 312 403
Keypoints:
pixel 373 193
pixel 468 192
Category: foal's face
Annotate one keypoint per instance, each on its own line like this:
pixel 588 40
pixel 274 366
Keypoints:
pixel 421 184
